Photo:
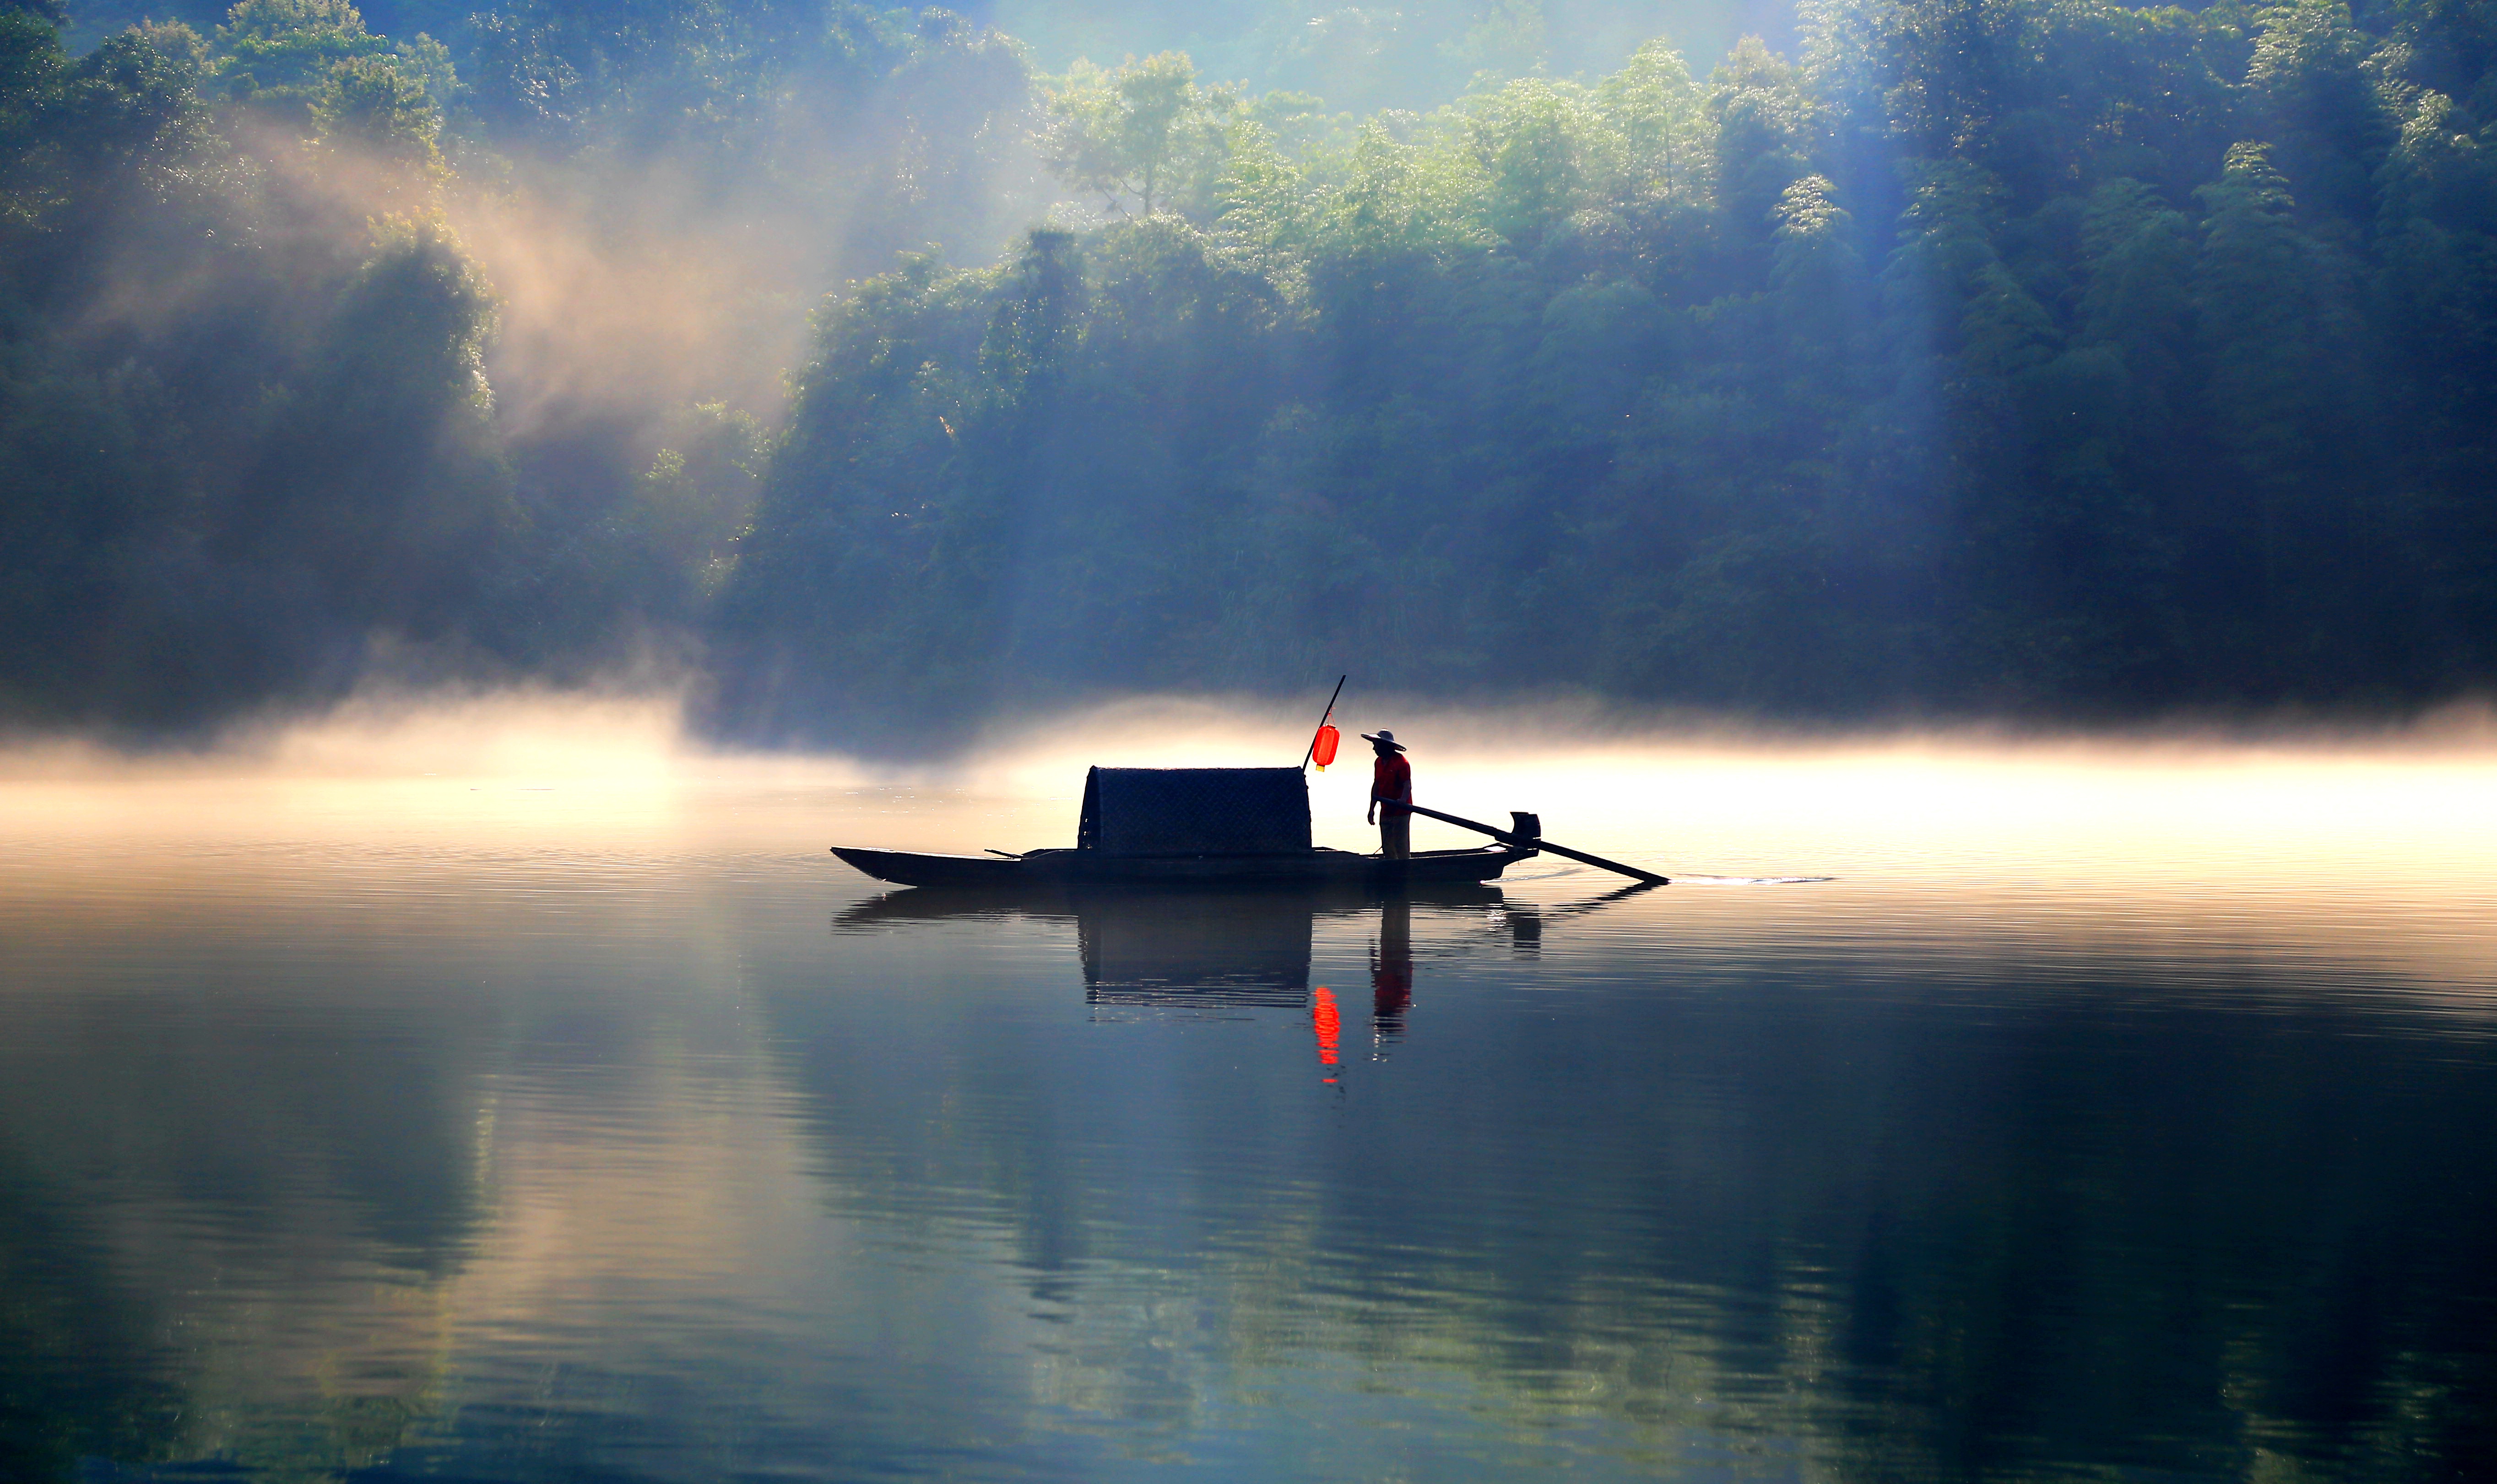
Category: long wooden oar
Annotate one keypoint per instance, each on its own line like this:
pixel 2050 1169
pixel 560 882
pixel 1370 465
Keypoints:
pixel 1536 841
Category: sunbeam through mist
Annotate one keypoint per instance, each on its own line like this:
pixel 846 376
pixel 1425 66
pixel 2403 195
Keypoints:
pixel 2067 365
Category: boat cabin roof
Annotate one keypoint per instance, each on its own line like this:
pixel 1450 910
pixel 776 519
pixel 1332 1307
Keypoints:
pixel 1195 812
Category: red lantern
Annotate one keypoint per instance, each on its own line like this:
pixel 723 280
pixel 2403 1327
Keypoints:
pixel 1323 750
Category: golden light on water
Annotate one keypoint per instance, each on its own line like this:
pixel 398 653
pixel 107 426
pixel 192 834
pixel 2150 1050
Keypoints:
pixel 2383 846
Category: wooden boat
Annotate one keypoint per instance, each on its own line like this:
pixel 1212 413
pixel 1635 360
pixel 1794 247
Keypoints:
pixel 1078 905
pixel 1195 826
pixel 1319 867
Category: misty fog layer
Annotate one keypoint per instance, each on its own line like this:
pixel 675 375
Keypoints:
pixel 2035 359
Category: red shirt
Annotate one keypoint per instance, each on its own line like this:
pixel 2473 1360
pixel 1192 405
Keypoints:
pixel 1391 783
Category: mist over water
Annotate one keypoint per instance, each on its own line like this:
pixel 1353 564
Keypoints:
pixel 2271 826
pixel 510 1088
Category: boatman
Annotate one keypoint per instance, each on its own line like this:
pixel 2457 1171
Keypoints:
pixel 1391 795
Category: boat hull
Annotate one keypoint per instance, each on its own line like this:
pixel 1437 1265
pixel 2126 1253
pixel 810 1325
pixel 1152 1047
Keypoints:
pixel 1092 868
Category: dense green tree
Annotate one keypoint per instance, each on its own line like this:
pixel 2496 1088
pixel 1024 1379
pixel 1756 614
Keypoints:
pixel 312 65
pixel 1147 130
pixel 1978 362
pixel 2044 355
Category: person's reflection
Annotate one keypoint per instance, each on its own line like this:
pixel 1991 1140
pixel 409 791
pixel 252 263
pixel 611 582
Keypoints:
pixel 1391 975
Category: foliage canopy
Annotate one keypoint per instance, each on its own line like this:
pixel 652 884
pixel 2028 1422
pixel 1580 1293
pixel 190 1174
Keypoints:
pixel 2034 357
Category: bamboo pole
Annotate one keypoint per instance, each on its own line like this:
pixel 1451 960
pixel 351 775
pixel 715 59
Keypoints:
pixel 1323 719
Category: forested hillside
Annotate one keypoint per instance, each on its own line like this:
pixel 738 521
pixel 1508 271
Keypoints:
pixel 266 419
pixel 2054 359
pixel 1984 357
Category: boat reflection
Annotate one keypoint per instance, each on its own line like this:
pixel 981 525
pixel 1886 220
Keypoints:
pixel 1202 952
pixel 1525 921
pixel 1199 951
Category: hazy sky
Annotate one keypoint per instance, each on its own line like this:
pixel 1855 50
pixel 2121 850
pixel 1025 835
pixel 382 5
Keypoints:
pixel 1414 46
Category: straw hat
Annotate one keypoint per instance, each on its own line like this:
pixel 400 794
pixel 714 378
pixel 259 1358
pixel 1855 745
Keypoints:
pixel 1384 738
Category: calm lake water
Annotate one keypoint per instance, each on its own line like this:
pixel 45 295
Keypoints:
pixel 2106 1116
